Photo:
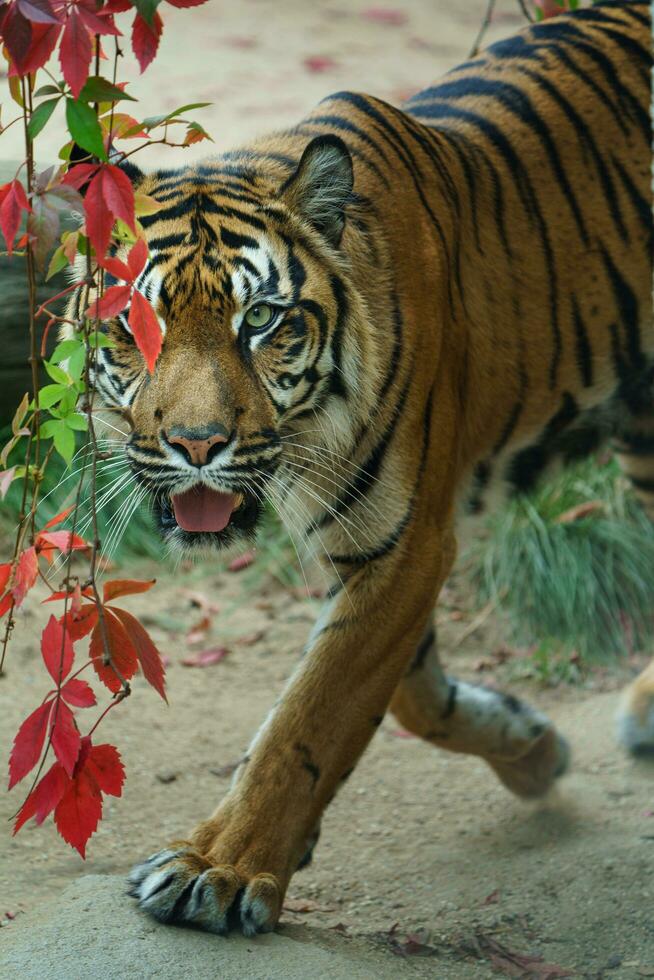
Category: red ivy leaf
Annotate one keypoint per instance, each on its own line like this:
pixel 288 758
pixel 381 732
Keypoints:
pixel 145 39
pixel 14 202
pixel 104 764
pixel 44 797
pixel 117 6
pixel 28 743
pixel 99 218
pixel 5 573
pixel 43 41
pixel 146 651
pixel 186 3
pixel 38 11
pixel 125 586
pixel 97 21
pixel 16 33
pixel 112 302
pixel 145 328
pixel 75 51
pixel 26 571
pixel 137 258
pixel 58 518
pixel 79 811
pixel 63 541
pixel 57 650
pixel 122 652
pixel 76 177
pixel 118 193
pixel 78 693
pixel 117 268
pixel 80 624
pixel 66 739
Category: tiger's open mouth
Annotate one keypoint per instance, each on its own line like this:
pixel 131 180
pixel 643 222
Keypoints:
pixel 203 515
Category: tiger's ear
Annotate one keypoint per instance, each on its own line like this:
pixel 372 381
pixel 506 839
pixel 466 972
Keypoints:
pixel 321 187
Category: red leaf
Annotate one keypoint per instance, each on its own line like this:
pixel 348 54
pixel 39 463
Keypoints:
pixel 104 765
pixel 65 737
pixel 145 328
pixel 28 743
pixel 77 176
pixel 145 39
pixel 111 303
pixel 38 11
pixel 117 268
pixel 146 651
pixel 125 586
pixel 118 193
pixel 13 204
pixel 97 21
pixel 99 219
pixel 26 571
pixel 44 797
pixel 78 693
pixel 117 6
pixel 206 658
pixel 16 33
pixel 121 649
pixel 75 51
pixel 55 596
pixel 58 518
pixel 186 3
pixel 137 257
pixel 63 541
pixel 43 42
pixel 79 811
pixel 57 650
pixel 80 624
pixel 318 63
pixel 386 15
pixel 5 604
pixel 5 574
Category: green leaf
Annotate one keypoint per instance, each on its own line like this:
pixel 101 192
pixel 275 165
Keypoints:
pixel 153 121
pixel 76 363
pixel 78 422
pixel 56 373
pixel 57 262
pixel 47 90
pixel 40 116
pixel 98 89
pixel 48 429
pixel 100 340
pixel 147 9
pixel 65 349
pixel 64 440
pixel 68 402
pixel 49 395
pixel 84 127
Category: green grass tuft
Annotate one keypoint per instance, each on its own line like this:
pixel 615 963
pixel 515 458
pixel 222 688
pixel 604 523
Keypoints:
pixel 584 583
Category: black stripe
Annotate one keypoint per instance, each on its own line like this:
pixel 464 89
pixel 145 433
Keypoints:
pixel 233 240
pixel 583 349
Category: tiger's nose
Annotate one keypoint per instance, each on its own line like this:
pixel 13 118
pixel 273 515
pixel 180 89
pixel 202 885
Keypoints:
pixel 199 446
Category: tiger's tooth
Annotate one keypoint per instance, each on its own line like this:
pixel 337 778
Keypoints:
pixel 239 501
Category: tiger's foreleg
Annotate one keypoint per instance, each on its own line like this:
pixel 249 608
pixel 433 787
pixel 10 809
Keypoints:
pixel 519 743
pixel 235 867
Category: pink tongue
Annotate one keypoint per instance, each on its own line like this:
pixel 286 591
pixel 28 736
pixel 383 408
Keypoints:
pixel 203 509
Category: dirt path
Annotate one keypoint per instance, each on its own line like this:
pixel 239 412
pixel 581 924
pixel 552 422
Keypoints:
pixel 417 840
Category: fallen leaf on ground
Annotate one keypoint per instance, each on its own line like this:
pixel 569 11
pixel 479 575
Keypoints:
pixel 318 63
pixel 250 638
pixel 513 964
pixel 579 511
pixel 402 733
pixel 198 631
pixel 206 658
pixel 201 601
pixel 493 898
pixel 306 905
pixel 227 769
pixel 241 561
pixel 390 16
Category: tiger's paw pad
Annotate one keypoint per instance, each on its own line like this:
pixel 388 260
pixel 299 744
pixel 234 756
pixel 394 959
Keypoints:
pixel 179 886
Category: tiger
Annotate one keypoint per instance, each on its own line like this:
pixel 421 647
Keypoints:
pixel 384 321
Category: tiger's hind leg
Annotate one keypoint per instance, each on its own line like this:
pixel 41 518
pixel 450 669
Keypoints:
pixel 518 742
pixel 636 715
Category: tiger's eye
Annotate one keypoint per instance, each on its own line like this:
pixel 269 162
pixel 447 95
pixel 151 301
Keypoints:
pixel 259 316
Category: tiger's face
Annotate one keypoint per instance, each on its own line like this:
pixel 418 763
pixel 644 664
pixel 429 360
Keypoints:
pixel 246 282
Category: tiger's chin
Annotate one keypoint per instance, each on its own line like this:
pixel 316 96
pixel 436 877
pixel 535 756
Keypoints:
pixel 240 529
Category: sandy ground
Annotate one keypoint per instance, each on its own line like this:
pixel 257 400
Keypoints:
pixel 418 844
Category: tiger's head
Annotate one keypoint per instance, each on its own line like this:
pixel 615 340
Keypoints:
pixel 262 330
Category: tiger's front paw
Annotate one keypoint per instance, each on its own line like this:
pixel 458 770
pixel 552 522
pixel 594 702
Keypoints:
pixel 179 885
